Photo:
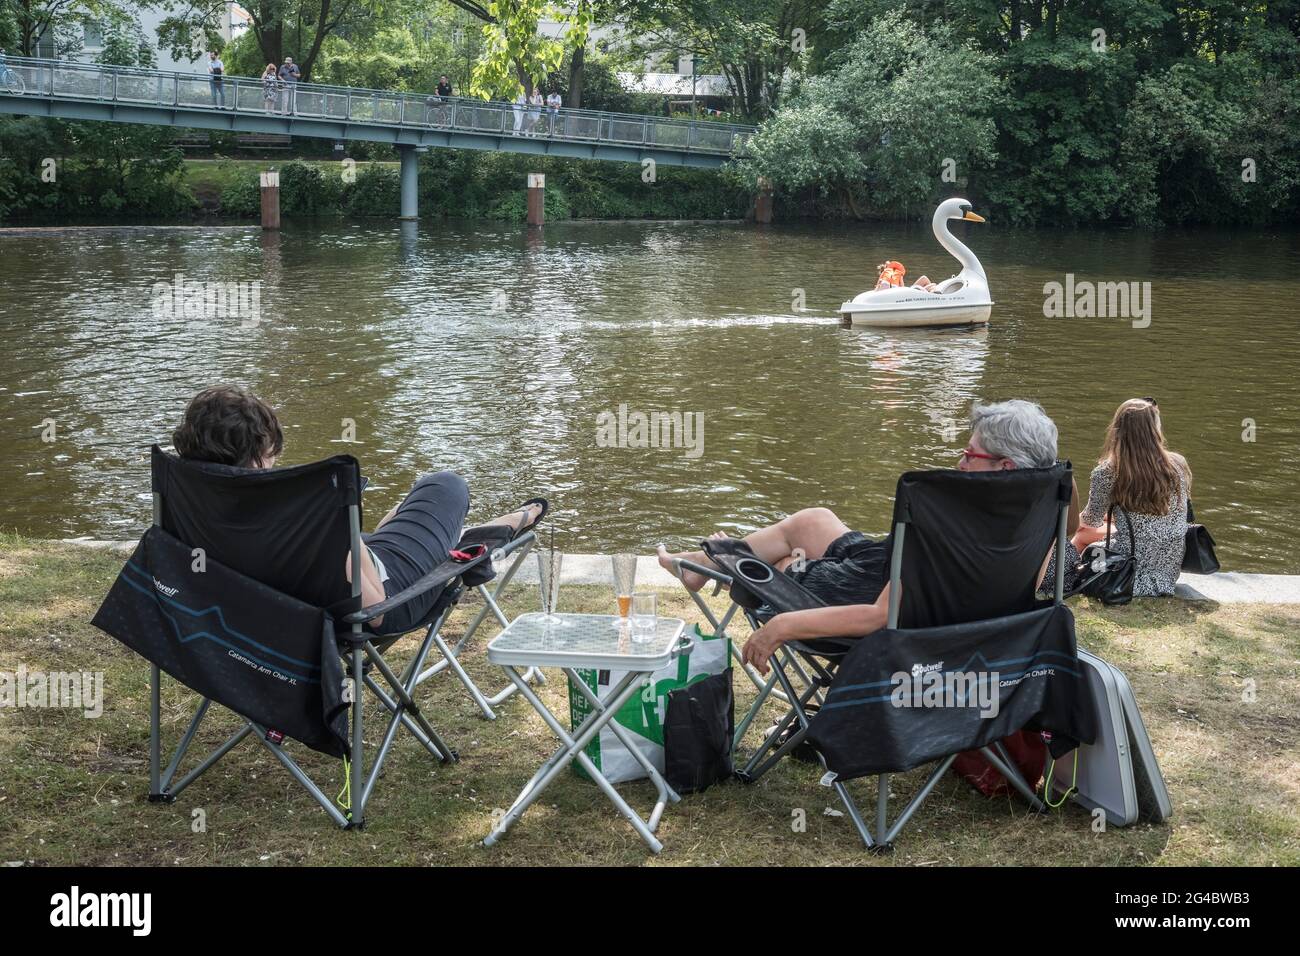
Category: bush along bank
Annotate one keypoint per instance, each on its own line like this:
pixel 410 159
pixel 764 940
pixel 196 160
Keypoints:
pixel 477 185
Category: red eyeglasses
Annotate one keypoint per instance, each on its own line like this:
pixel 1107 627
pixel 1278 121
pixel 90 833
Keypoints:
pixel 967 453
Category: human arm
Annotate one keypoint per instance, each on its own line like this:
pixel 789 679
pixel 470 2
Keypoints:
pixel 848 620
pixel 372 589
pixel 1072 518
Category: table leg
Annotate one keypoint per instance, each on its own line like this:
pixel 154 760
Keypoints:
pixel 666 794
pixel 572 749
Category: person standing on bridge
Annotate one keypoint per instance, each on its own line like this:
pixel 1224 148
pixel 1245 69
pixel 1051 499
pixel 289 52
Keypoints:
pixel 289 76
pixel 535 104
pixel 520 102
pixel 216 69
pixel 553 102
pixel 271 87
pixel 444 86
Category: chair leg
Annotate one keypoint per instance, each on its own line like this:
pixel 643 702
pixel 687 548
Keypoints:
pixel 405 704
pixel 357 816
pixel 449 656
pixel 208 761
pixel 183 746
pixel 343 820
pixel 882 808
pixel 915 803
pixel 155 732
pixel 1004 765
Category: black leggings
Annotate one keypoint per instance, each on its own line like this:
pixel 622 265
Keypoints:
pixel 416 540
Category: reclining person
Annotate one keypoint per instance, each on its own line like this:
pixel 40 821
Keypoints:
pixel 230 426
pixel 848 570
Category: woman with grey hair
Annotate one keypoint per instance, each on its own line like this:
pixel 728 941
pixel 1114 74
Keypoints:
pixel 848 570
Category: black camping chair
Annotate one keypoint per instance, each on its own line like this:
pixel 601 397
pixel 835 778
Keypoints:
pixel 238 591
pixel 971 547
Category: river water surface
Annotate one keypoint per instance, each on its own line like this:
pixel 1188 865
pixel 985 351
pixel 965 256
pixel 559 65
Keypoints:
pixel 494 350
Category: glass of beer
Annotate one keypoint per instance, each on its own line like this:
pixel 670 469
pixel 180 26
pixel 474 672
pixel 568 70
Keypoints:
pixel 624 581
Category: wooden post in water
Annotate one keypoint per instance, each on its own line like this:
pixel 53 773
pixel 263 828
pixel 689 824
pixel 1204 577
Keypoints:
pixel 536 199
pixel 271 200
pixel 763 201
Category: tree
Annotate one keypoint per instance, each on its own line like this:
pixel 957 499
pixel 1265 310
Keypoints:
pixel 879 131
pixel 761 46
pixel 281 28
pixel 33 19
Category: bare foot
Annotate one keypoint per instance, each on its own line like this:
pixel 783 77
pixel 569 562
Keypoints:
pixel 693 580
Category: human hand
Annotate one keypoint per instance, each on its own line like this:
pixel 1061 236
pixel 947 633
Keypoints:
pixel 762 644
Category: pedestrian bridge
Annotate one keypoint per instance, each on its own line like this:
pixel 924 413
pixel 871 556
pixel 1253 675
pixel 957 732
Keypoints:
pixel 116 94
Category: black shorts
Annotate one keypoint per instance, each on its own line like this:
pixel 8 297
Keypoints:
pixel 416 540
pixel 854 570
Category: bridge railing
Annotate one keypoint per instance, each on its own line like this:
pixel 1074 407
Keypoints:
pixel 249 95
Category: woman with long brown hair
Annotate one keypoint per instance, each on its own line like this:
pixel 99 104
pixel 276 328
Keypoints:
pixel 1140 484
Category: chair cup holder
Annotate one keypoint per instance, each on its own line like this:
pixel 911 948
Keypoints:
pixel 754 571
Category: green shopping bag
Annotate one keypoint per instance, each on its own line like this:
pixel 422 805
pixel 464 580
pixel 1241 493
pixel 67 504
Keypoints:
pixel 643 715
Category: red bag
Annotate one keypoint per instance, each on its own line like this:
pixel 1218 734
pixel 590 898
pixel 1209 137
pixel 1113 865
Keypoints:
pixel 1027 751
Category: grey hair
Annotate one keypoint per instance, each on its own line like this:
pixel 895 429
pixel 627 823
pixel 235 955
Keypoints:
pixel 1018 430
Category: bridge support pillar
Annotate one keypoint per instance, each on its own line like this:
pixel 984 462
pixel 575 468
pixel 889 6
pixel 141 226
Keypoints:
pixel 270 199
pixel 763 201
pixel 410 180
pixel 536 199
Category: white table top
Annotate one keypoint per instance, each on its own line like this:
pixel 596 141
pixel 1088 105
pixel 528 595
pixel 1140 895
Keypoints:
pixel 588 640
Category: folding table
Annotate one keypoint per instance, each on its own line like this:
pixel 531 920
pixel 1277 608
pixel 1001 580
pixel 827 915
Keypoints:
pixel 587 641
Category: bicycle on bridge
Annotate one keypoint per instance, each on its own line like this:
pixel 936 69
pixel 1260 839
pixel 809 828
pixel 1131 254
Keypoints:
pixel 10 80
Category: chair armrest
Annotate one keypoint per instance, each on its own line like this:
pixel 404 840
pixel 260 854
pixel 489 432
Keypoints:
pixel 514 545
pixel 712 574
pixel 437 578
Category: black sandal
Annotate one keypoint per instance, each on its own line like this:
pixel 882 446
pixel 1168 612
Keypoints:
pixel 523 529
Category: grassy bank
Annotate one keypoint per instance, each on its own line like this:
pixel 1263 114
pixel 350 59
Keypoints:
pixel 72 790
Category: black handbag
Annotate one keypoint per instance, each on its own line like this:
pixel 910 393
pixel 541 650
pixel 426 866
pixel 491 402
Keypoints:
pixel 1105 575
pixel 698 730
pixel 1198 551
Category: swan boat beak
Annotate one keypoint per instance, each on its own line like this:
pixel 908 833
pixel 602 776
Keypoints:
pixel 972 217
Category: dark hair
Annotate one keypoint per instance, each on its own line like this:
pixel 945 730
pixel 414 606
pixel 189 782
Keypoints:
pixel 229 426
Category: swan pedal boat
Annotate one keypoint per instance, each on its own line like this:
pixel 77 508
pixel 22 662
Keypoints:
pixel 962 300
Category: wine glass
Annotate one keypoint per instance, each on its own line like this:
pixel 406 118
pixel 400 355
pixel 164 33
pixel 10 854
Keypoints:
pixel 549 563
pixel 624 581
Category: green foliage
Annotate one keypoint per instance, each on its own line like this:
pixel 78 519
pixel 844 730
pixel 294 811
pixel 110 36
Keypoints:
pixel 242 197
pixel 1146 111
pixel 601 89
pixel 493 185
pixel 376 192
pixel 901 102
pixel 73 170
pixel 515 49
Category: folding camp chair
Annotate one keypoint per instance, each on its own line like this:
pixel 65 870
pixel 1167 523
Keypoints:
pixel 238 591
pixel 971 546
pixel 521 547
pixel 767 687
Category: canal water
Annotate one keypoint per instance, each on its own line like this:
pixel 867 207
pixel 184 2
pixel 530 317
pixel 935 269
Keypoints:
pixel 522 360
